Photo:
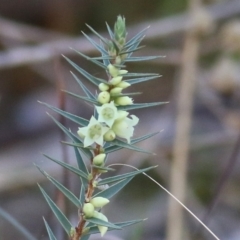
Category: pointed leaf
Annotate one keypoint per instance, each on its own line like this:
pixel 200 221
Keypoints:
pixel 61 188
pixel 50 233
pixel 82 193
pixel 106 62
pixel 136 37
pixel 81 164
pixel 57 212
pixel 123 176
pixel 125 94
pixel 120 143
pixel 75 139
pixel 16 225
pixel 94 229
pixel 96 33
pixel 93 60
pixel 91 78
pixel 84 88
pixel 87 99
pixel 113 189
pixel 69 167
pixel 104 168
pixel 97 46
pixel 137 59
pixel 140 74
pixel 131 50
pixel 140 105
pixel 81 121
pixel 100 222
pixel 110 149
pixel 142 79
pixel 111 34
pixel 85 237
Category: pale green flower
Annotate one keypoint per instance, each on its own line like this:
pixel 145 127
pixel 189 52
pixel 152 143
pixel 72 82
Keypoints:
pixel 93 132
pixel 124 126
pixel 107 113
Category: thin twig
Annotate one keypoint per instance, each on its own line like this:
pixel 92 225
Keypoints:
pixel 171 195
pixel 185 100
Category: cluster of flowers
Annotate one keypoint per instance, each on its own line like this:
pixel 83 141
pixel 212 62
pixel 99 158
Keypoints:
pixel 111 122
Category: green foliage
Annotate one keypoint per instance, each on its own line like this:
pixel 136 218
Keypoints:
pixel 98 138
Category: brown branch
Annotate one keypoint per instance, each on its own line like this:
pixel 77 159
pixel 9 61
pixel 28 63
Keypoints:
pixel 160 28
pixel 185 96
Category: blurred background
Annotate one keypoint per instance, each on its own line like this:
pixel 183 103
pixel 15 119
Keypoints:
pixel 198 150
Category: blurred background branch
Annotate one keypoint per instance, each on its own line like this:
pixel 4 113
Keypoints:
pixel 32 38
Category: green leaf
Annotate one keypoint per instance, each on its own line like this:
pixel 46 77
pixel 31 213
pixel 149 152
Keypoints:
pixel 137 59
pixel 110 149
pixel 97 46
pixel 123 176
pixel 144 137
pixel 81 164
pixel 84 88
pixel 111 34
pixel 61 188
pixel 96 81
pixel 75 139
pixel 81 121
pixel 113 189
pixel 136 38
pixel 96 33
pixel 85 237
pixel 94 229
pixel 140 75
pixel 50 233
pixel 131 50
pixel 106 62
pixel 104 168
pixel 142 79
pixel 100 222
pixel 93 60
pixel 125 94
pixel 87 99
pixel 82 193
pixel 69 167
pixel 122 144
pixel 17 225
pixel 57 212
pixel 140 105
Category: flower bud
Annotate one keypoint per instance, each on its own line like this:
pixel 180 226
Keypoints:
pixel 103 87
pixel 72 232
pixel 123 101
pixel 113 70
pixel 102 229
pixel 88 210
pixel 99 202
pixel 115 90
pixel 118 60
pixel 104 97
pixel 120 30
pixel 99 159
pixel 115 80
pixel 109 136
pixel 121 72
pixel 123 84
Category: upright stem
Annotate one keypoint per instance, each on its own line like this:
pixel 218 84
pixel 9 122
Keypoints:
pixel 181 143
pixel 88 195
